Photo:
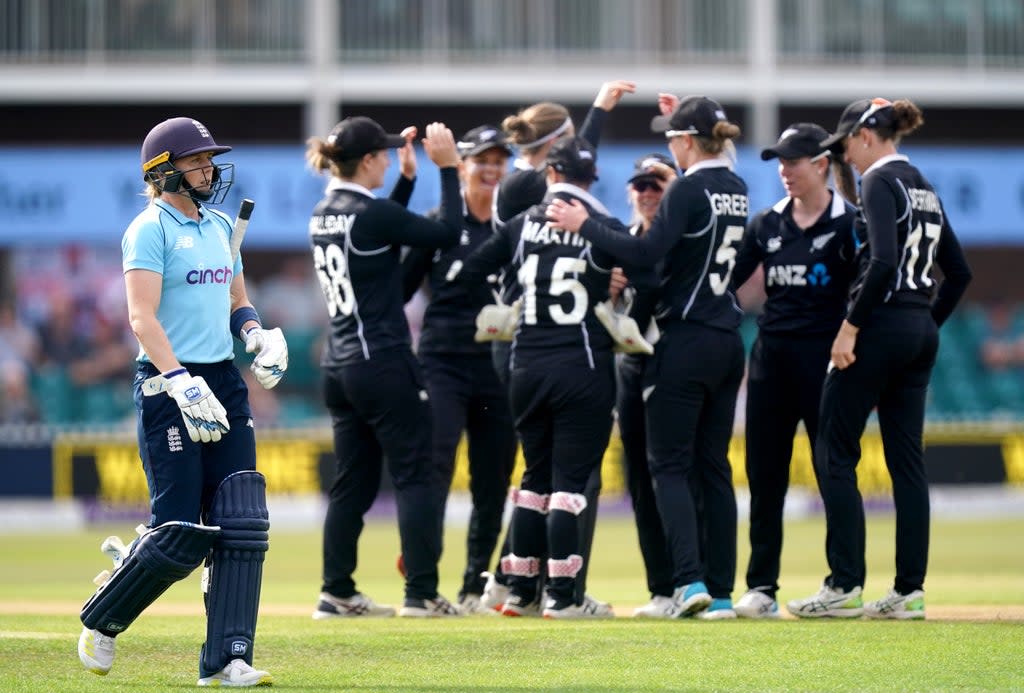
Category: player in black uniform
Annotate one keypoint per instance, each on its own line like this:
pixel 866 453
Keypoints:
pixel 652 174
pixel 465 392
pixel 534 130
pixel 372 383
pixel 691 382
pixel 883 357
pixel 561 384
pixel 805 242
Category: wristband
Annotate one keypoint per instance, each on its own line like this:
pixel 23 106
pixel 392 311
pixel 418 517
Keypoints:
pixel 242 315
pixel 174 373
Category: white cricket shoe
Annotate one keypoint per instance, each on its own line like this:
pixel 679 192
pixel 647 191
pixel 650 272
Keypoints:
pixel 718 610
pixel 756 604
pixel 691 599
pixel 590 608
pixel 495 593
pixel 516 606
pixel 470 603
pixel 660 606
pixel 96 651
pixel 358 604
pixel 898 606
pixel 836 602
pixel 237 674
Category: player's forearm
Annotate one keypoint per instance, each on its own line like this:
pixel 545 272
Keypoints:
pixel 154 342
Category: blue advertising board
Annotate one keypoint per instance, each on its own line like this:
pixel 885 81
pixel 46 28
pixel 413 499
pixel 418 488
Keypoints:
pixel 88 195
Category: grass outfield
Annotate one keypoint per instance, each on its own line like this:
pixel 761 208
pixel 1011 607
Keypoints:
pixel 976 568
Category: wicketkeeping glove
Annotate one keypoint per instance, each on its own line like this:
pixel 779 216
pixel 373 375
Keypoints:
pixel 205 417
pixel 272 355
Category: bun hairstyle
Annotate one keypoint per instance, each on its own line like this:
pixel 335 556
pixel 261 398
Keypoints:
pixel 721 139
pixel 535 123
pixel 321 156
pixel 906 118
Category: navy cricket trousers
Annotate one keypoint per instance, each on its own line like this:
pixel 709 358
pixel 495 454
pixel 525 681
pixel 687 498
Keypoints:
pixel 380 408
pixel 691 384
pixel 784 385
pixel 182 475
pixel 466 395
pixel 895 353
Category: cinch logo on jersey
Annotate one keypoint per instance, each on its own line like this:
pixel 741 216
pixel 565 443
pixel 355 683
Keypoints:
pixel 330 224
pixel 221 275
pixel 534 232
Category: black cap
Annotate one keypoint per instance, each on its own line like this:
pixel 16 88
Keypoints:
pixel 864 113
pixel 480 139
pixel 642 167
pixel 695 115
pixel 798 141
pixel 359 135
pixel 574 158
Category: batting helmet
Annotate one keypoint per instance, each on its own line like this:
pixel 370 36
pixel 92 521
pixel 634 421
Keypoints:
pixel 174 139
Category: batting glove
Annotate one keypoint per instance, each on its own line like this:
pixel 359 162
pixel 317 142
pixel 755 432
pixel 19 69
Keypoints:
pixel 272 355
pixel 205 417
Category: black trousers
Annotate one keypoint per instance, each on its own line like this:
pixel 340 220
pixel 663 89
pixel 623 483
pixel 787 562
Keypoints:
pixel 784 385
pixel 629 405
pixel 380 408
pixel 895 354
pixel 466 395
pixel 563 414
pixel 691 384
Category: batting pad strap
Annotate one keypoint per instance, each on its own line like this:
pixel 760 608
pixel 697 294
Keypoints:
pixel 236 569
pixel 574 503
pixel 530 500
pixel 523 566
pixel 240 316
pixel 158 559
pixel 565 567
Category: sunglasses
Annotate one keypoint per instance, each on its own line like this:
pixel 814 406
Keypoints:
pixel 645 185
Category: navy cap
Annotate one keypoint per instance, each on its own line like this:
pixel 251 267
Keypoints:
pixel 864 113
pixel 176 138
pixel 574 158
pixel 357 136
pixel 480 139
pixel 695 115
pixel 798 141
pixel 643 167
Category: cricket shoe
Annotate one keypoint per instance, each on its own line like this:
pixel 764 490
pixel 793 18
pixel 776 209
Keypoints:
pixel 495 593
pixel 590 608
pixel 517 606
pixel 358 604
pixel 756 604
pixel 660 606
pixel 470 603
pixel 237 674
pixel 690 599
pixel 898 606
pixel 428 608
pixel 829 601
pixel 718 610
pixel 96 651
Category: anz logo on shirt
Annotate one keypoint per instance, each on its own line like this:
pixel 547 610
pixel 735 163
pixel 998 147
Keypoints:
pixel 797 275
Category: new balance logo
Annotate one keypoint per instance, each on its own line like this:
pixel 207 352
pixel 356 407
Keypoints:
pixel 184 242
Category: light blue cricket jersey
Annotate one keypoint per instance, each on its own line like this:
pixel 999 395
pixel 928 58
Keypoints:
pixel 195 261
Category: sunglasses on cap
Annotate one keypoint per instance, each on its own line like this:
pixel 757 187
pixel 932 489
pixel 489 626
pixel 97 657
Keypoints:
pixel 645 185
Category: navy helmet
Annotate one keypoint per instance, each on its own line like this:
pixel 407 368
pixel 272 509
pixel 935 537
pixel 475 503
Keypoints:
pixel 174 139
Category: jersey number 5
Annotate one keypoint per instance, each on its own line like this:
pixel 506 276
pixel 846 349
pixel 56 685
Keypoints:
pixel 560 284
pixel 332 271
pixel 725 255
